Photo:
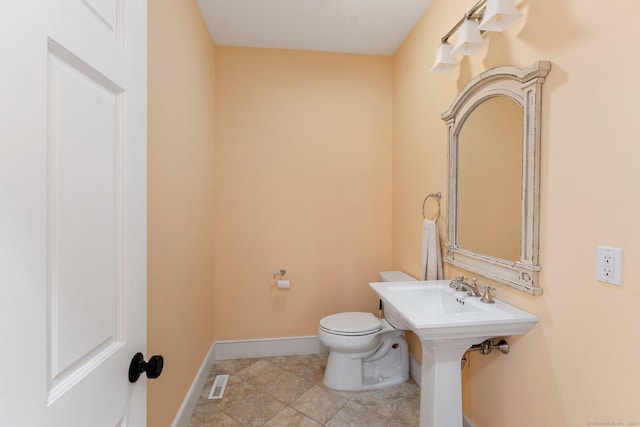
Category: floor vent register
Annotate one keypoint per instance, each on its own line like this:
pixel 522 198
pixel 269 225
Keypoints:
pixel 219 384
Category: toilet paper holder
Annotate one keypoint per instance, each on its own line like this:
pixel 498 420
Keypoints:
pixel 278 279
pixel 280 273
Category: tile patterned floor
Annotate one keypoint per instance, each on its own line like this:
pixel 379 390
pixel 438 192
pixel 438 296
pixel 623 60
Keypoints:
pixel 288 391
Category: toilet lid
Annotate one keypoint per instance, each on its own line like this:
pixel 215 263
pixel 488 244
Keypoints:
pixel 351 323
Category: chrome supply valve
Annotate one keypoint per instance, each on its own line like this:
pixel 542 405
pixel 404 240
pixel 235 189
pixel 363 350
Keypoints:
pixel 486 347
pixel 502 346
pixel 487 298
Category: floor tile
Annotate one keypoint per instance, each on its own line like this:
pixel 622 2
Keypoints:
pixel 319 404
pixel 288 391
pixel 232 366
pixel 407 409
pixel 236 390
pixel 400 423
pixel 260 373
pixel 255 409
pixel 215 418
pixel 390 401
pixel 307 366
pixel 289 417
pixel 353 414
pixel 287 387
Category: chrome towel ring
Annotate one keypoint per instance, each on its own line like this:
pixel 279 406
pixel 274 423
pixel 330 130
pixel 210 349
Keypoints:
pixel 436 196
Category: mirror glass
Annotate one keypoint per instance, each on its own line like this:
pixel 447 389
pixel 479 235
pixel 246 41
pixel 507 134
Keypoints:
pixel 490 179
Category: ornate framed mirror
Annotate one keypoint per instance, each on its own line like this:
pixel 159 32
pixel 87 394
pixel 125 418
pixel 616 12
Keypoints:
pixel 494 175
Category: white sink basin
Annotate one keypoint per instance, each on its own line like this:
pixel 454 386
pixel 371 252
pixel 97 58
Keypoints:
pixel 433 310
pixel 448 323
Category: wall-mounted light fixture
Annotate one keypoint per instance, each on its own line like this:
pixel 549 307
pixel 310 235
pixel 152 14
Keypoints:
pixel 469 38
pixel 496 16
pixel 445 61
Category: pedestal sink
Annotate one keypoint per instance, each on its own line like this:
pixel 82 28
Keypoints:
pixel 447 323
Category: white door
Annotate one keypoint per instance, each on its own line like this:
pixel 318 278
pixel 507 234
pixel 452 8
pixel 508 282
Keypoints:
pixel 72 211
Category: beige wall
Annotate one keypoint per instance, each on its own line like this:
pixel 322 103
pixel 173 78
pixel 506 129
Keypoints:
pixel 577 364
pixel 180 200
pixel 303 182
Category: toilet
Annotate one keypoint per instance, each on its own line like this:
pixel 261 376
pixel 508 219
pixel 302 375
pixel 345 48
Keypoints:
pixel 365 352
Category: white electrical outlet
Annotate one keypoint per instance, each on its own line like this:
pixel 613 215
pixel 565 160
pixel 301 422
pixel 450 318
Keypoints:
pixel 609 265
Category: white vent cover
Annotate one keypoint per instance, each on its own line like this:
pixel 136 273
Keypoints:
pixel 219 384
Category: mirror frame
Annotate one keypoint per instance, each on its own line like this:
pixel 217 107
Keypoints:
pixel 524 86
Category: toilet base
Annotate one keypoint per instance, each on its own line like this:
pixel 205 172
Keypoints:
pixel 386 366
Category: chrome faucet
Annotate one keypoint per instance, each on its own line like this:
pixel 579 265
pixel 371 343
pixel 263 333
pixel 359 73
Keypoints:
pixel 472 289
pixel 461 286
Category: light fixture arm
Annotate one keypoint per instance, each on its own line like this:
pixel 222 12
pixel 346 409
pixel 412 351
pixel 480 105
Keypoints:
pixel 471 14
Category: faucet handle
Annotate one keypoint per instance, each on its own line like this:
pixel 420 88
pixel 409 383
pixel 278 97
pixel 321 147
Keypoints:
pixel 460 282
pixel 456 281
pixel 487 298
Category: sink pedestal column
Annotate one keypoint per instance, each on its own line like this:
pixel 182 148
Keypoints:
pixel 441 388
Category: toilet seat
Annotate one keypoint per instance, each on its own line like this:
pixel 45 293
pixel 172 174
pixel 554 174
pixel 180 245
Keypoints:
pixel 351 324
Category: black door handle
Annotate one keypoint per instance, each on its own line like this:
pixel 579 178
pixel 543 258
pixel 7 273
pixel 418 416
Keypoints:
pixel 153 367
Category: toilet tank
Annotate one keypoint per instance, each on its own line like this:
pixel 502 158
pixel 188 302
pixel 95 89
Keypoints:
pixel 396 276
pixel 391 316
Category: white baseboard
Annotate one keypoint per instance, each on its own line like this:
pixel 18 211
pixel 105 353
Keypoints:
pixel 415 370
pixel 191 399
pixel 241 349
pixel 466 422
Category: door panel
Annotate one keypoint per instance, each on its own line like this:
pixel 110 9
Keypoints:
pixel 107 12
pixel 85 219
pixel 72 212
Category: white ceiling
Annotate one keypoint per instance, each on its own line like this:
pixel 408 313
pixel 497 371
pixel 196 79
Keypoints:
pixel 375 27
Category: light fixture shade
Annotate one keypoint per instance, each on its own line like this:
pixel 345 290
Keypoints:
pixel 498 15
pixel 445 61
pixel 469 38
